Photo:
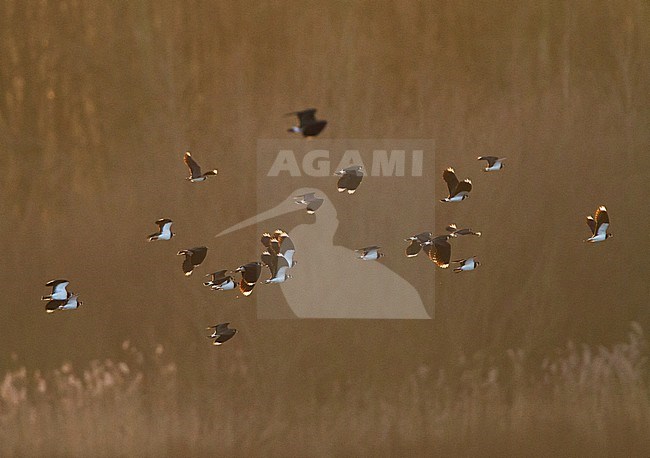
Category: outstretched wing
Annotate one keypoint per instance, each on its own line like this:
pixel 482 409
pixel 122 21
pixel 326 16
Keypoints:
pixel 602 220
pixel 413 249
pixel 450 178
pixel 314 205
pixel 246 288
pixel 198 254
pixel 306 116
pixel 592 224
pixel 195 169
pixel 439 252
pixel 464 186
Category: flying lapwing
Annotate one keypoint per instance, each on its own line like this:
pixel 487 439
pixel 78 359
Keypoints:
pixel 309 126
pixel 494 163
pixel 250 273
pixel 222 333
pixel 370 253
pixel 439 250
pixel 59 291
pixel 350 178
pixel 193 258
pixel 457 190
pixel 279 265
pixel 455 232
pixel 598 224
pixel 413 249
pixel 312 202
pixel 164 230
pixel 195 169
pixel 466 264
pixel 220 281
pixel 70 303
pixel 286 246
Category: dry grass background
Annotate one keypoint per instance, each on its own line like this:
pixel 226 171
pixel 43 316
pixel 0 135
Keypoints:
pixel 100 99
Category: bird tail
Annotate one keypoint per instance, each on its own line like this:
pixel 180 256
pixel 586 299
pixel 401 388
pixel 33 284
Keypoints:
pixel 46 298
pixel 152 237
pixel 458 270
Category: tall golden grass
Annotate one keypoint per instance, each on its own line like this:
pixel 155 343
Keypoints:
pixel 582 401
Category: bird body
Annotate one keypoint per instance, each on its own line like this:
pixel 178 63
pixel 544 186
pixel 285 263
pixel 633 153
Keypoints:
pixel 370 253
pixel 455 232
pixel 466 264
pixel 494 163
pixel 164 230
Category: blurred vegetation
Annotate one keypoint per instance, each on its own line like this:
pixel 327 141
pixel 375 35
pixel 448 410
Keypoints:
pixel 583 402
pixel 100 99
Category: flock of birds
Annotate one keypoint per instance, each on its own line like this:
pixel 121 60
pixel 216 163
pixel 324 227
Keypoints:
pixel 279 250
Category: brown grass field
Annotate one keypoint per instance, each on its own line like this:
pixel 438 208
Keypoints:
pixel 100 99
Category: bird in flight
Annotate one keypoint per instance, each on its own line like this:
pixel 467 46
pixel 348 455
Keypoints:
pixel 195 169
pixel 458 190
pixel 466 264
pixel 193 258
pixel 455 232
pixel 312 202
pixel 599 223
pixel 222 333
pixel 370 253
pixel 164 230
pixel 350 178
pixel 439 250
pixel 70 303
pixel 308 125
pixel 493 163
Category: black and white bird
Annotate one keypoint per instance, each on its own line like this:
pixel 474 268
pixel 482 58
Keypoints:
pixel 312 202
pixel 599 223
pixel 195 169
pixel 250 274
pixel 493 163
pixel 59 291
pixel 222 333
pixel 416 243
pixel 164 230
pixel 308 125
pixel 466 264
pixel 193 258
pixel 220 281
pixel 370 253
pixel 458 190
pixel 286 246
pixel 455 232
pixel 70 303
pixel 350 178
pixel 439 250
pixel 278 265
